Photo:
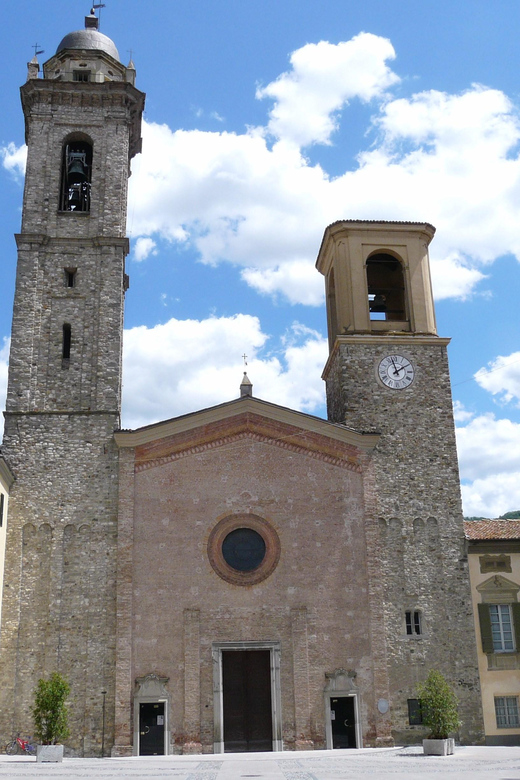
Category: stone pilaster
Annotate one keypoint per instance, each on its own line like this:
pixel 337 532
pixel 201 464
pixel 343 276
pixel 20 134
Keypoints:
pixel 192 743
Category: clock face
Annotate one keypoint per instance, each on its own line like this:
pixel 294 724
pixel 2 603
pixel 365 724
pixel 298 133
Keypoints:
pixel 396 372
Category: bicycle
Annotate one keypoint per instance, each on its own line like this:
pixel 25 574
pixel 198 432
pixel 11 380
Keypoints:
pixel 17 743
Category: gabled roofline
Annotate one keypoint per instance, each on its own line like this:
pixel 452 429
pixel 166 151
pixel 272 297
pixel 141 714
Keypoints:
pixel 239 406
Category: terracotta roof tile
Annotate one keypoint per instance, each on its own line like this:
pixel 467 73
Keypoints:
pixel 492 529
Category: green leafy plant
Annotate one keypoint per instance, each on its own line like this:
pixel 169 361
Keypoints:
pixel 49 711
pixel 439 706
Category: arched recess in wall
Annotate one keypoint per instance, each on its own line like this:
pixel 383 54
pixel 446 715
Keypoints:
pixel 386 287
pixel 76 173
pixel 418 528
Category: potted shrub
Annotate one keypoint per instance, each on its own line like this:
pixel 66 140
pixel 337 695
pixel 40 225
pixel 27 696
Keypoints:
pixel 50 717
pixel 439 711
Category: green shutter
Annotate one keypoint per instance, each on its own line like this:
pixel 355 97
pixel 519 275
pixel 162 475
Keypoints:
pixel 515 609
pixel 485 628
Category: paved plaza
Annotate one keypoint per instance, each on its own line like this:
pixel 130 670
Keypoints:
pixel 468 763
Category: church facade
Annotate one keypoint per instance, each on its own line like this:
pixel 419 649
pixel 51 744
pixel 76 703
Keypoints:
pixel 246 577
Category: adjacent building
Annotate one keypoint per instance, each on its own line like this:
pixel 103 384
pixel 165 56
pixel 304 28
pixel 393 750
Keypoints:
pixel 494 568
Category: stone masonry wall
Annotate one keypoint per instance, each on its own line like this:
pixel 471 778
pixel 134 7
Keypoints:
pixel 59 587
pixel 416 505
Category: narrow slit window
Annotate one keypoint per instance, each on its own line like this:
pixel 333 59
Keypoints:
pixel 1 509
pixel 67 338
pixel 413 622
pixel 70 277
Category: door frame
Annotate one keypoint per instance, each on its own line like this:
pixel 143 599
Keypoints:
pixel 329 695
pixel 151 690
pixel 155 701
pixel 340 683
pixel 218 703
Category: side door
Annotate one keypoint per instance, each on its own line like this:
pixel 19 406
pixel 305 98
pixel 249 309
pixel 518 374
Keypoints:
pixel 151 729
pixel 343 722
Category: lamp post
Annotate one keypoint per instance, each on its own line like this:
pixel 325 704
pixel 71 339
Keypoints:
pixel 103 693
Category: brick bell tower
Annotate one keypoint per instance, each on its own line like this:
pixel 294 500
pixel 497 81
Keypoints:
pixel 388 372
pixel 83 124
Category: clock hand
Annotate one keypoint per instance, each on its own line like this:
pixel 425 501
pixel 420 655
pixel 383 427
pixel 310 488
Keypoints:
pixel 396 368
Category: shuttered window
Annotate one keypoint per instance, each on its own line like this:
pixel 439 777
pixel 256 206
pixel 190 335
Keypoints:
pixel 502 628
pixel 499 627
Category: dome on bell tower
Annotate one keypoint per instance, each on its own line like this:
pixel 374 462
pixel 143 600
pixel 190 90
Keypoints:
pixel 86 56
pixel 89 39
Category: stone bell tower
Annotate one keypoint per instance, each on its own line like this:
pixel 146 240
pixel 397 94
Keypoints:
pixel 83 123
pixel 387 372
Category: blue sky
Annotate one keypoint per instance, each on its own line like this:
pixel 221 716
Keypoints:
pixel 265 122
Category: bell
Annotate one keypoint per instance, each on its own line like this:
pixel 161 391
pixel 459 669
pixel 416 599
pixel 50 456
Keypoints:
pixel 378 305
pixel 76 172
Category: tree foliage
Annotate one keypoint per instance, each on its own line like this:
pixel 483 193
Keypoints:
pixel 49 711
pixel 439 706
pixel 511 515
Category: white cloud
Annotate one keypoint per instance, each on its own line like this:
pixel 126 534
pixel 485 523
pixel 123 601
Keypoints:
pixel 14 158
pixel 452 276
pixel 489 460
pixel 493 496
pixel 323 77
pixel 460 413
pixel 502 377
pixel 144 247
pixel 438 157
pixel 298 279
pixel 183 366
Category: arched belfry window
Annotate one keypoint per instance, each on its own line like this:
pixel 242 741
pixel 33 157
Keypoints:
pixel 76 176
pixel 385 278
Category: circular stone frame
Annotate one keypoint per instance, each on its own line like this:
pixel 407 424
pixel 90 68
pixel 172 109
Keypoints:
pixel 255 523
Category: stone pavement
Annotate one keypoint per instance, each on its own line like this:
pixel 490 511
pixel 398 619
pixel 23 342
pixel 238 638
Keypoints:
pixel 468 763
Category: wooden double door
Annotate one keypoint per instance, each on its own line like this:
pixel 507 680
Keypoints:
pixel 247 701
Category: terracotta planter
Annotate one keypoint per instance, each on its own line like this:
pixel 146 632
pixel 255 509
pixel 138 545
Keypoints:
pixel 49 753
pixel 438 747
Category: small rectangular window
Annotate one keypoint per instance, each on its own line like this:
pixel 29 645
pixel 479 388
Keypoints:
pixel 1 509
pixel 67 338
pixel 81 75
pixel 506 711
pixel 413 622
pixel 414 712
pixel 502 628
pixel 70 277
